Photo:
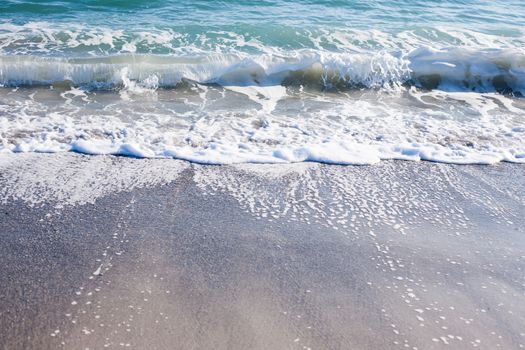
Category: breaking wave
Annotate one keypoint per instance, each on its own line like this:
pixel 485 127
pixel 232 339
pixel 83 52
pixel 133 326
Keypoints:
pixel 460 69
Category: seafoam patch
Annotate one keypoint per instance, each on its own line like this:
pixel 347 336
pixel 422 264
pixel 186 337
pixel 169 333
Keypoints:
pixel 356 199
pixel 71 179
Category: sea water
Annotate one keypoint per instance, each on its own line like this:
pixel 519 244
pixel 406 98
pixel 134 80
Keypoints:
pixel 343 82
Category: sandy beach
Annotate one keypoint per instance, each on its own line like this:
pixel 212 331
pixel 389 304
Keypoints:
pixel 112 252
pixel 277 175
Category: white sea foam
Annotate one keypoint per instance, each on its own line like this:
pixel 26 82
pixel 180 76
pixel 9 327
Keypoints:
pixel 65 180
pixel 268 125
pixel 352 199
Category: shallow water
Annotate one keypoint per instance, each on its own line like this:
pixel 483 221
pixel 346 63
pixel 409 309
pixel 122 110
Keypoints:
pixel 344 82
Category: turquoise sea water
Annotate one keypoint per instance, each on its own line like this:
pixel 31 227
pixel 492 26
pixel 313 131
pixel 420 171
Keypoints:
pixel 287 25
pixel 266 81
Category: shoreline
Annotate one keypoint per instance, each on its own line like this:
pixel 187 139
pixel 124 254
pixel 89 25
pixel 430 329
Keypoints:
pixel 162 253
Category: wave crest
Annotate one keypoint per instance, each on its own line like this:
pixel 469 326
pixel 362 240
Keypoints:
pixel 452 70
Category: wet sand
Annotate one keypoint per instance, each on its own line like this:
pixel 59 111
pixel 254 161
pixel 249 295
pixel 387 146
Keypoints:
pixel 107 252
